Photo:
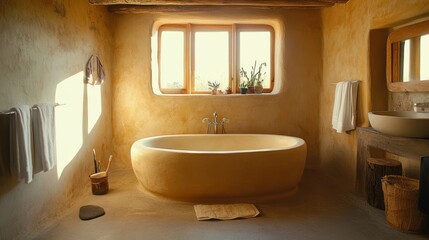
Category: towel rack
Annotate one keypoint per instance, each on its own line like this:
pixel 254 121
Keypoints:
pixel 33 108
pixel 335 83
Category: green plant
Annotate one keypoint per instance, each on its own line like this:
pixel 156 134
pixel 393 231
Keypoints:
pixel 213 85
pixel 243 84
pixel 255 76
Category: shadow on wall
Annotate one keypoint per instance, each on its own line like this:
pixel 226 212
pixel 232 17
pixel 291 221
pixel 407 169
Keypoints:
pixel 6 179
pixel 379 95
pixel 75 120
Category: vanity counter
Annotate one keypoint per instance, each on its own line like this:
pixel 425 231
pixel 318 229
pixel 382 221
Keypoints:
pixel 372 143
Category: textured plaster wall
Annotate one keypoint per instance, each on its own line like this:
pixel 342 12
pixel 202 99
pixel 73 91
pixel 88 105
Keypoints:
pixel 44 46
pixel 139 113
pixel 346 56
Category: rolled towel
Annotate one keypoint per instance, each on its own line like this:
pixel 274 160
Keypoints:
pixel 21 160
pixel 43 122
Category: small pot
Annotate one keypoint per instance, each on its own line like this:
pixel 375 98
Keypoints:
pixel 243 90
pixel 259 88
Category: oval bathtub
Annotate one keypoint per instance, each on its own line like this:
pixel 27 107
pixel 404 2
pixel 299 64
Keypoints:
pixel 196 167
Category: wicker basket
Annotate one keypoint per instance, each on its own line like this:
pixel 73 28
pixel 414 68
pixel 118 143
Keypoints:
pixel 401 196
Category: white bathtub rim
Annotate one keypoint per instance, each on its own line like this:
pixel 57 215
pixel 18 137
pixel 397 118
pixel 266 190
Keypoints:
pixel 299 143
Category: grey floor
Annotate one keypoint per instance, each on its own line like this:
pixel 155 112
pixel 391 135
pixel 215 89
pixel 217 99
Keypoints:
pixel 320 210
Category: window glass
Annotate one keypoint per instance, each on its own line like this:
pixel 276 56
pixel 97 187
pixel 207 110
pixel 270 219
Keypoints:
pixel 172 65
pixel 255 46
pixel 211 59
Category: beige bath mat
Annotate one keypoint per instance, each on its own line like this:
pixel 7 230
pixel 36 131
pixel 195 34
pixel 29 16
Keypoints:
pixel 225 211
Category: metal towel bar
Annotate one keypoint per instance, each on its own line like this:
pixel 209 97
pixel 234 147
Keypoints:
pixel 33 108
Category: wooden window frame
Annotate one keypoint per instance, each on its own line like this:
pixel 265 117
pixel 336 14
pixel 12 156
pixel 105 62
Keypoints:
pixel 179 27
pixel 254 28
pixel 208 28
pixel 234 65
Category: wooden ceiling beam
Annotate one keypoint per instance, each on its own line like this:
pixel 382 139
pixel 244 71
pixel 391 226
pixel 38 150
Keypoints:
pixel 138 9
pixel 251 3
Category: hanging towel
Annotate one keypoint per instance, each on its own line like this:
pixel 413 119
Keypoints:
pixel 94 71
pixel 344 112
pixel 43 122
pixel 21 160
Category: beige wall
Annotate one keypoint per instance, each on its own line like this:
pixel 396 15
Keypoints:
pixel 346 56
pixel 44 46
pixel 139 113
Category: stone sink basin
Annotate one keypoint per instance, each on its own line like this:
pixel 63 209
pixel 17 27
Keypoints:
pixel 402 124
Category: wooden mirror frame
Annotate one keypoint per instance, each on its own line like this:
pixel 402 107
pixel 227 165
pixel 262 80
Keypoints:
pixel 393 58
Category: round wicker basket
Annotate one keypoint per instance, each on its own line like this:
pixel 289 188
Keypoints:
pixel 401 196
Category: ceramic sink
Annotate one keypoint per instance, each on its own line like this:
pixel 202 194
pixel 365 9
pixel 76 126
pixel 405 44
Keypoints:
pixel 403 124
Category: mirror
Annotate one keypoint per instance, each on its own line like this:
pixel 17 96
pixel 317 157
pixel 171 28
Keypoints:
pixel 407 65
pixel 413 59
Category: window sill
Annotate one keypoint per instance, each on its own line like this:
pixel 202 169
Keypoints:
pixel 217 95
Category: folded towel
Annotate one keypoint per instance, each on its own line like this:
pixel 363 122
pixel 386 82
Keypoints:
pixel 225 211
pixel 344 111
pixel 43 122
pixel 21 160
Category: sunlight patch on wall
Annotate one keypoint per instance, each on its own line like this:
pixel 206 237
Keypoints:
pixel 69 120
pixel 94 105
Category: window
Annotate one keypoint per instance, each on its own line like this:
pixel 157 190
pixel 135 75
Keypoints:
pixel 190 56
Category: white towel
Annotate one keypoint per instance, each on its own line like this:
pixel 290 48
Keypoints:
pixel 225 211
pixel 344 112
pixel 21 161
pixel 43 120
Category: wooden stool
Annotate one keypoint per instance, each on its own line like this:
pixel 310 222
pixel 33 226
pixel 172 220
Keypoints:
pixel 376 168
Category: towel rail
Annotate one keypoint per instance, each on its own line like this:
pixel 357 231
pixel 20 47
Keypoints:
pixel 335 83
pixel 33 108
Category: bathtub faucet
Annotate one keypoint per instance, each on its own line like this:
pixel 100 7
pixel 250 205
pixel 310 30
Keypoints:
pixel 215 124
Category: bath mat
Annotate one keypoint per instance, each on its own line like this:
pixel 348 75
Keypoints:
pixel 89 212
pixel 225 211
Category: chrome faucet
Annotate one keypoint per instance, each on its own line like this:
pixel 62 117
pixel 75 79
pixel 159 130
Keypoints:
pixel 215 124
pixel 421 107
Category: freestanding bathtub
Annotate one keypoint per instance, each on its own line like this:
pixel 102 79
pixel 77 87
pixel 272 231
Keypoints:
pixel 207 167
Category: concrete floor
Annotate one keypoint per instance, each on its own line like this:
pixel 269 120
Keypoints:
pixel 320 210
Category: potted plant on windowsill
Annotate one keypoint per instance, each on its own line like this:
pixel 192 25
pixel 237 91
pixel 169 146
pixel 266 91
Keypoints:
pixel 256 78
pixel 213 86
pixel 243 87
pixel 228 90
pixel 259 88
